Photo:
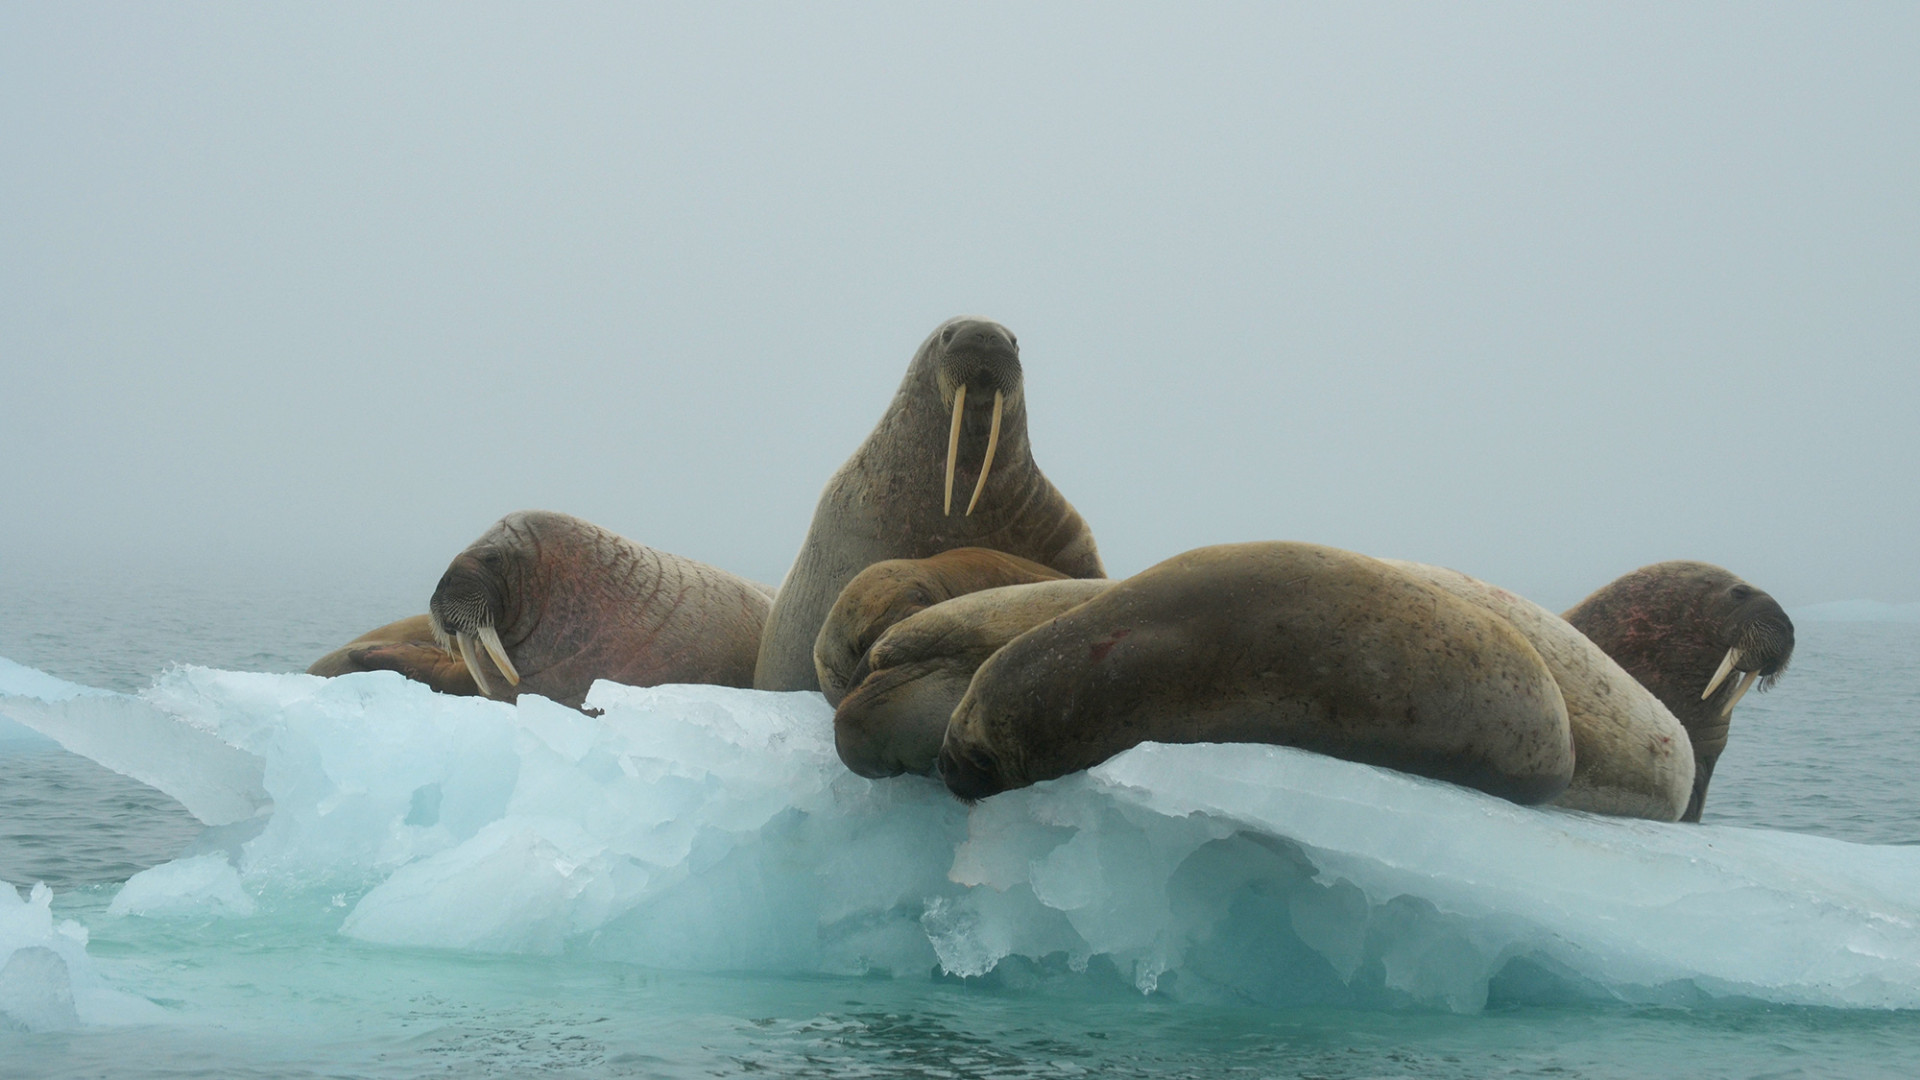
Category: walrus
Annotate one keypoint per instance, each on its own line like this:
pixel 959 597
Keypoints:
pixel 896 497
pixel 893 589
pixel 894 718
pixel 1631 757
pixel 554 602
pixel 1285 643
pixel 406 645
pixel 1699 638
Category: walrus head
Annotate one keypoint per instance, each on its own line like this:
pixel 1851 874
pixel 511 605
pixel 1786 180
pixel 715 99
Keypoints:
pixel 1699 638
pixel 1759 640
pixel 894 590
pixel 971 772
pixel 878 597
pixel 467 607
pixel 976 362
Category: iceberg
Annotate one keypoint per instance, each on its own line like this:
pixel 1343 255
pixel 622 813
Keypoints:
pixel 714 830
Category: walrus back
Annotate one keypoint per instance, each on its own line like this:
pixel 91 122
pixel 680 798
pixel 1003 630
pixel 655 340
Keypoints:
pixel 1291 644
pixel 1631 756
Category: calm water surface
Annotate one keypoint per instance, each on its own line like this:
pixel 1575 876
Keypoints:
pixel 1835 750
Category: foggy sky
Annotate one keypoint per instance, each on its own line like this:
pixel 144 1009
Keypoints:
pixel 1539 292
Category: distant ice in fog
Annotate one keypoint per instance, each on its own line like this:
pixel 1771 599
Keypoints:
pixel 1858 611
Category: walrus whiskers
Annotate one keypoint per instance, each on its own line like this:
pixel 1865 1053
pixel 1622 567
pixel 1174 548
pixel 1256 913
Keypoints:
pixel 953 443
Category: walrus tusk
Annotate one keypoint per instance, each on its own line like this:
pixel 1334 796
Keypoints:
pixel 953 442
pixel 1726 665
pixel 465 638
pixel 1739 692
pixel 491 639
pixel 986 463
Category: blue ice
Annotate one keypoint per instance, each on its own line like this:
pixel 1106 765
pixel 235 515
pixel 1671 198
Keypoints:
pixel 711 829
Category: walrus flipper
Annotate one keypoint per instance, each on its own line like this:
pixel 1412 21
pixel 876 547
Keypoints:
pixel 406 646
pixel 428 664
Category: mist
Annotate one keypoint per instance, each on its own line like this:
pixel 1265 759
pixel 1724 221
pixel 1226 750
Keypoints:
pixel 1539 292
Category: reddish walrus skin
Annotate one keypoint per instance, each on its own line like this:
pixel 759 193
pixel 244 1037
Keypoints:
pixel 1282 643
pixel 545 603
pixel 572 602
pixel 1697 637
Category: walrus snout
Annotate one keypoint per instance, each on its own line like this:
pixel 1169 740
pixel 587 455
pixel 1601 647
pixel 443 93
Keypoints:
pixel 963 336
pixel 466 608
pixel 895 720
pixel 971 773
pixel 1766 645
pixel 1760 637
pixel 982 356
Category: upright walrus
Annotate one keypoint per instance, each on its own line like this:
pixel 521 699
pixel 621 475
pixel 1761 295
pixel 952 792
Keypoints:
pixel 1292 644
pixel 962 401
pixel 554 602
pixel 1698 637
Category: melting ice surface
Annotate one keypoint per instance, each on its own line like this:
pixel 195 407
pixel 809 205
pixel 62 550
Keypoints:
pixel 713 830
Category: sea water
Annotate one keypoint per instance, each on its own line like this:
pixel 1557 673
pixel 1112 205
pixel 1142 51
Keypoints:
pixel 397 884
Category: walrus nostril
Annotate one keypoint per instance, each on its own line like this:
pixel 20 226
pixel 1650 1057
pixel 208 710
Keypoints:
pixel 968 774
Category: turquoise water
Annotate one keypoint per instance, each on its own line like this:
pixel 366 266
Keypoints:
pixel 1833 751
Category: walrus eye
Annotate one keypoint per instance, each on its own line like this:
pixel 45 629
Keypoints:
pixel 1741 592
pixel 946 336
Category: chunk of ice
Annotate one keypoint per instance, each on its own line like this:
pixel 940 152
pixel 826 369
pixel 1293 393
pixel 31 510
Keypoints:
pixel 215 781
pixel 18 680
pixel 47 981
pixel 711 829
pixel 195 886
